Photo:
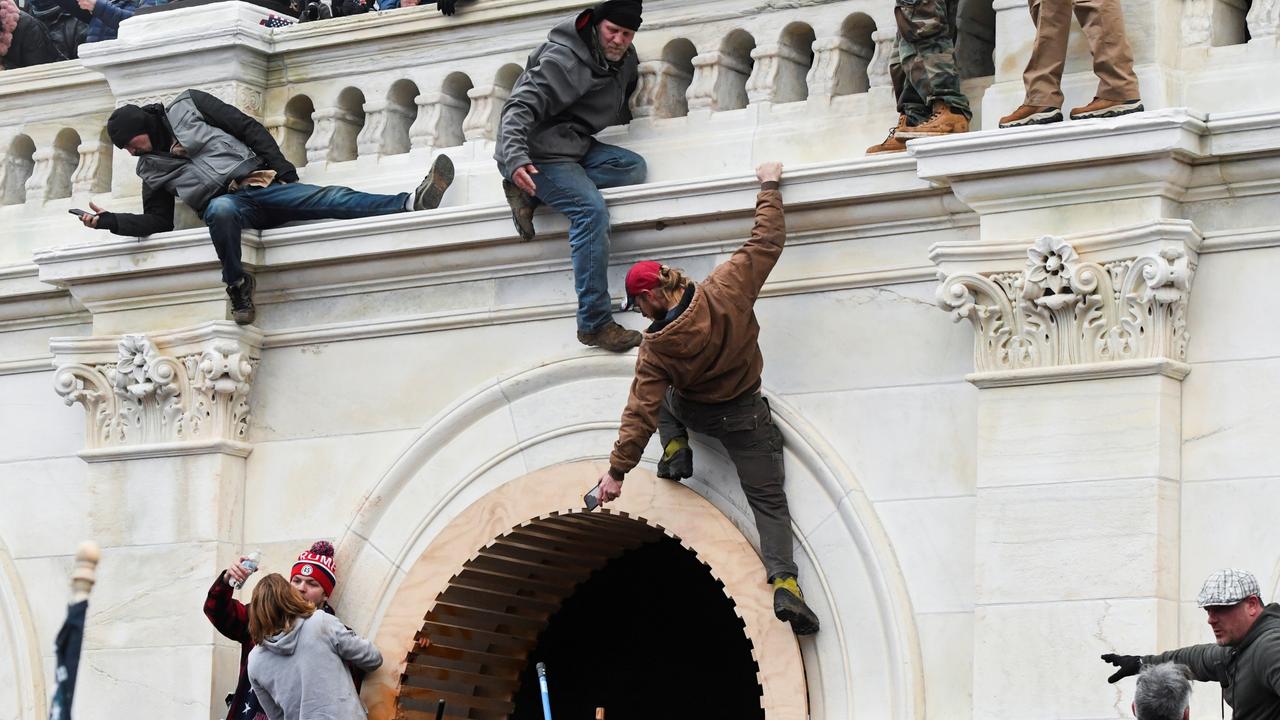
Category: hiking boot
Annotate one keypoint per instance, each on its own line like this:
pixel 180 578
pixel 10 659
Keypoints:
pixel 677 460
pixel 893 143
pixel 1031 115
pixel 612 337
pixel 521 209
pixel 1101 108
pixel 438 179
pixel 943 121
pixel 241 294
pixel 789 606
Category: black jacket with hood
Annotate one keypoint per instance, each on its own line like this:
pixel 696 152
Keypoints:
pixel 568 93
pixel 1249 671
pixel 157 202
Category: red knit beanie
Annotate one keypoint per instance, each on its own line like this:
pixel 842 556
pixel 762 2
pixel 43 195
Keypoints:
pixel 317 564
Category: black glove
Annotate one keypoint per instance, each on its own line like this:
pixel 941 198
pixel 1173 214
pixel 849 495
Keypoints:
pixel 1128 664
pixel 446 6
pixel 107 221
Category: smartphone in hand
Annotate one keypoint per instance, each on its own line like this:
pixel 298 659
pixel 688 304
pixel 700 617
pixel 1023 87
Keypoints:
pixel 592 499
pixel 81 213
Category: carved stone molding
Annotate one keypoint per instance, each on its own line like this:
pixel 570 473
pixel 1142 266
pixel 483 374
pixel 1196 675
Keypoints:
pixel 1061 310
pixel 187 387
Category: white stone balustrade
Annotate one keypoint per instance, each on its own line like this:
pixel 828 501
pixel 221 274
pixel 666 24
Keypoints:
pixel 779 74
pixel 334 135
pixel 439 121
pixel 719 82
pixel 481 123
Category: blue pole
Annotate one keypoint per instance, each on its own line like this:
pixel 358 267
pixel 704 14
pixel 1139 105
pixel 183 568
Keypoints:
pixel 546 695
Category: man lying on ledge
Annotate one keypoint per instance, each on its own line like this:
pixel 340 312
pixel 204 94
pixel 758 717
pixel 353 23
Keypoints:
pixel 228 168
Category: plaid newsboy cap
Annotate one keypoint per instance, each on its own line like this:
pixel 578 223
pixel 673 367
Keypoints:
pixel 1228 587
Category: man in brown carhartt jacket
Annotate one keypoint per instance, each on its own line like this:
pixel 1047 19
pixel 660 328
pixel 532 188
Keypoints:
pixel 699 369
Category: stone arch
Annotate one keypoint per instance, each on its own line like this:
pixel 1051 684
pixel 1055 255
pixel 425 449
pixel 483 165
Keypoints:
pixel 454 109
pixel 670 100
pixel 795 59
pixel 401 113
pixel 491 611
pixel 24 695
pixel 738 66
pixel 349 121
pixel 298 127
pixel 19 163
pixel 564 413
pixel 64 157
pixel 507 76
pixel 855 32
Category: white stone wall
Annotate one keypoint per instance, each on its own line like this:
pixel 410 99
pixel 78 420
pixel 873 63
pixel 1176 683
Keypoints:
pixel 973 529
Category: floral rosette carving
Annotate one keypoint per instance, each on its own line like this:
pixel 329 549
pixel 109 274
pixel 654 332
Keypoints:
pixel 1063 310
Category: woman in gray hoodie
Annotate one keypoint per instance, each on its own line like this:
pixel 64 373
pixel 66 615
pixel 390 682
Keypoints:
pixel 296 667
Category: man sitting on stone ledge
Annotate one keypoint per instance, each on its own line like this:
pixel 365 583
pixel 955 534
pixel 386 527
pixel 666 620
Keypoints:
pixel 227 167
pixel 1245 659
pixel 575 85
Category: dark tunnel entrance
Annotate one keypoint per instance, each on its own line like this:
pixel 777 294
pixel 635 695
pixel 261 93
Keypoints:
pixel 649 635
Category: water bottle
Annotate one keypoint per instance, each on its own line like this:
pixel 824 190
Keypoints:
pixel 250 563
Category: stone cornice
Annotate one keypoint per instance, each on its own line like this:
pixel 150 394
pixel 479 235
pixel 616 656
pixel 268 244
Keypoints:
pixel 846 200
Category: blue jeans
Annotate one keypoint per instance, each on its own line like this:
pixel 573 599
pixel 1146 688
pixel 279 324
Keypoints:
pixel 572 188
pixel 262 208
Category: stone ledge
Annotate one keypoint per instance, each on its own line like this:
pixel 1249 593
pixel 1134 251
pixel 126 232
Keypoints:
pixel 1073 373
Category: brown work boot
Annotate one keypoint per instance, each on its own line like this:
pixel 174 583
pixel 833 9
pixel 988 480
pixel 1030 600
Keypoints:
pixel 943 121
pixel 430 191
pixel 893 143
pixel 521 209
pixel 1100 108
pixel 612 337
pixel 1031 115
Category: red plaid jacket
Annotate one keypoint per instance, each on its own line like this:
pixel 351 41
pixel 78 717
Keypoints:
pixel 230 617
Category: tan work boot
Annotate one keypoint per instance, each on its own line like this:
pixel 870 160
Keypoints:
pixel 893 143
pixel 1100 108
pixel 612 337
pixel 943 121
pixel 1031 115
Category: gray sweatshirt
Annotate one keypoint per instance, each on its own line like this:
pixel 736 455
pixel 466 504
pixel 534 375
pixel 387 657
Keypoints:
pixel 299 675
pixel 567 94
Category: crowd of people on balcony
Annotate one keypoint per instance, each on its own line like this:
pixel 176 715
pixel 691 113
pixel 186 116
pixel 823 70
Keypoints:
pixel 37 32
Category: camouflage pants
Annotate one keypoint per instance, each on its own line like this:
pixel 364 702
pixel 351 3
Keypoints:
pixel 923 63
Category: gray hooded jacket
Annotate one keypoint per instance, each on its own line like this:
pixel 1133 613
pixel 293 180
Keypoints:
pixel 1248 672
pixel 299 675
pixel 567 94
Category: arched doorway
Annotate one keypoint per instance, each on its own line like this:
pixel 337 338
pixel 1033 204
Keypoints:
pixel 625 616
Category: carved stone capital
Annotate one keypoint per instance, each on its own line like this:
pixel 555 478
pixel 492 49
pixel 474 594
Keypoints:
pixel 189 386
pixel 1062 310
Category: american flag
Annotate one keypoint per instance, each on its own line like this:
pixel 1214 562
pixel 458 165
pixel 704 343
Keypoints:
pixel 275 21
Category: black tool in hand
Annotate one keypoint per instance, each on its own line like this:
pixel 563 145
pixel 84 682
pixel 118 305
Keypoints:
pixel 440 710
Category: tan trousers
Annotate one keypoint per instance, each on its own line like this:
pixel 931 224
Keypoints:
pixel 1103 24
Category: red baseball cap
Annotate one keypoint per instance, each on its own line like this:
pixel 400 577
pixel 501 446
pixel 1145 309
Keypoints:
pixel 642 276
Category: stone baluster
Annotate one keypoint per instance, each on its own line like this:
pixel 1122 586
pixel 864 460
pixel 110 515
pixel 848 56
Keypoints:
pixel 93 171
pixel 719 82
pixel 42 172
pixel 486 106
pixel 778 75
pixel 369 141
pixel 386 128
pixel 645 96
pixel 291 134
pixel 439 121
pixel 839 68
pixel 878 70
pixel 1264 19
pixel 333 138
pixel 14 171
pixel 1197 22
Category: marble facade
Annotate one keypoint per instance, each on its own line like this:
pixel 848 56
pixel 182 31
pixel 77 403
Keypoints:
pixel 1025 402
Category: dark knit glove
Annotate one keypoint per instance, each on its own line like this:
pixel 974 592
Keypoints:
pixel 446 6
pixel 1128 664
pixel 107 221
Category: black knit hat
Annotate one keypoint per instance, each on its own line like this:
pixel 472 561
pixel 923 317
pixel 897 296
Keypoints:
pixel 624 13
pixel 130 121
